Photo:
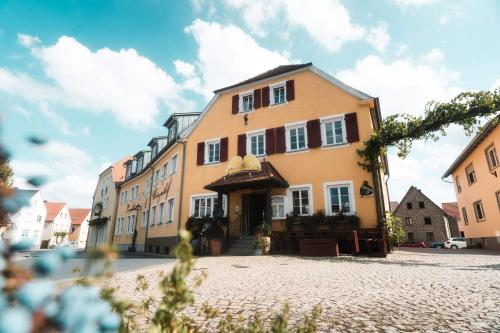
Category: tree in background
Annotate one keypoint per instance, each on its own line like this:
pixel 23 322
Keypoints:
pixel 6 173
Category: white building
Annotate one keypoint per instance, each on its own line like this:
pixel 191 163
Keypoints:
pixel 79 227
pixel 27 222
pixel 57 225
pixel 104 205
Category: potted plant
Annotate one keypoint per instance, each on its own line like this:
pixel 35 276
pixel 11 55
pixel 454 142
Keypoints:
pixel 216 235
pixel 258 245
pixel 290 220
pixel 266 235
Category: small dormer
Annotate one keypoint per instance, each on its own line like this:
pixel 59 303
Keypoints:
pixel 140 160
pixel 177 123
pixel 128 167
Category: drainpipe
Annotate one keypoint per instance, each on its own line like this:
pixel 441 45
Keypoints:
pixel 113 223
pixel 181 192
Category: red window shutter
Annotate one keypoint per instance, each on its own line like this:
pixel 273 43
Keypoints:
pixel 223 149
pixel 314 133
pixel 270 141
pixel 351 125
pixel 242 145
pixel 290 90
pixel 280 140
pixel 265 96
pixel 201 153
pixel 257 98
pixel 236 104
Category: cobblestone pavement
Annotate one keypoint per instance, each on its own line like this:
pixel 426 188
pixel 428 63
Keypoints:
pixel 410 291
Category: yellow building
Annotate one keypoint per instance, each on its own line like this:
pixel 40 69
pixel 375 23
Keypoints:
pixel 476 176
pixel 147 211
pixel 304 128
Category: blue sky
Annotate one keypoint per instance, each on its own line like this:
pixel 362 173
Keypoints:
pixel 98 78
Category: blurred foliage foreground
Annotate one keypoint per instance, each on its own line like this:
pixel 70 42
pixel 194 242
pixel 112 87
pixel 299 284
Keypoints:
pixel 31 302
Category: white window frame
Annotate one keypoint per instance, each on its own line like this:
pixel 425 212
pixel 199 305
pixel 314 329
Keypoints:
pixel 284 207
pixel 473 171
pixel 170 211
pixel 408 219
pixel 342 183
pixel 324 121
pixel 161 212
pixel 207 195
pixel 173 163
pixel 241 104
pixel 252 134
pixel 292 188
pixel 492 164
pixel 479 203
pixel 271 93
pixel 164 170
pixel 207 145
pixel 288 128
pixel 156 177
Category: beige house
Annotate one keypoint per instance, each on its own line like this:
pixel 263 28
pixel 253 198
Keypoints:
pixel 80 218
pixel 476 176
pixel 105 198
pixel 57 225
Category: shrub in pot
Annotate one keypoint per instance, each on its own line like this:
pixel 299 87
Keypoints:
pixel 216 235
pixel 258 245
pixel 266 234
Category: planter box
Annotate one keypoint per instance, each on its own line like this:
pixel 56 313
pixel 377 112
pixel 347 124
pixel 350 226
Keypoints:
pixel 318 247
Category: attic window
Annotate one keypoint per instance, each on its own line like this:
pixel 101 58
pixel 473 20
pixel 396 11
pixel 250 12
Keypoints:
pixel 421 205
pixel 409 205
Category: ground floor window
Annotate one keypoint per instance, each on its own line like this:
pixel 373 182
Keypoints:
pixel 339 198
pixel 301 201
pixel 278 206
pixel 408 221
pixel 145 218
pixel 202 206
pixel 478 209
pixel 411 237
pixel 170 210
pixel 430 236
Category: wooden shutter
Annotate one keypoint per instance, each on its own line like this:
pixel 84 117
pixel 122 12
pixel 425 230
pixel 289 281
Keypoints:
pixel 200 160
pixel 270 141
pixel 314 133
pixel 257 98
pixel 242 145
pixel 265 96
pixel 223 149
pixel 290 90
pixel 280 140
pixel 351 125
pixel 236 104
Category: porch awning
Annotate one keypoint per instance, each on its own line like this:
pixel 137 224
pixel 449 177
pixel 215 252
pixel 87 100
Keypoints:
pixel 267 177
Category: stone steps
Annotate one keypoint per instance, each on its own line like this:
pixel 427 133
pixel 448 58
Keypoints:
pixel 242 247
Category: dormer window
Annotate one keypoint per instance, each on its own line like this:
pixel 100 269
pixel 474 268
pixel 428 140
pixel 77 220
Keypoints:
pixel 140 163
pixel 278 94
pixel 154 150
pixel 129 170
pixel 246 102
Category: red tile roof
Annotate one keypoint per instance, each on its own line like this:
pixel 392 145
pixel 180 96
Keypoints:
pixel 393 205
pixel 78 215
pixel 53 208
pixel 451 208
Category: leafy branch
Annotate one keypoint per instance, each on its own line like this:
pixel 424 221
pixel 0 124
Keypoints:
pixel 471 110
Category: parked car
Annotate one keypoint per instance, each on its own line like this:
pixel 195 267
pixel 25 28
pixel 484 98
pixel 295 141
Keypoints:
pixel 414 244
pixel 455 243
pixel 438 245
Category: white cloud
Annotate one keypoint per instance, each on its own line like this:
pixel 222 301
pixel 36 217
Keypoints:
pixel 22 111
pixel 123 83
pixel 27 40
pixel 414 3
pixel 401 49
pixel 452 12
pixel 434 56
pixel 226 54
pixel 55 118
pixel 327 21
pixel 404 86
pixel 378 36
pixel 69 170
pixel 185 69
pixel 496 85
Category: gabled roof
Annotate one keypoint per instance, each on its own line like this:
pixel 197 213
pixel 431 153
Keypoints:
pixel 451 208
pixel 393 205
pixel 78 215
pixel 266 75
pixel 155 139
pixel 53 208
pixel 483 134
pixel 413 189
